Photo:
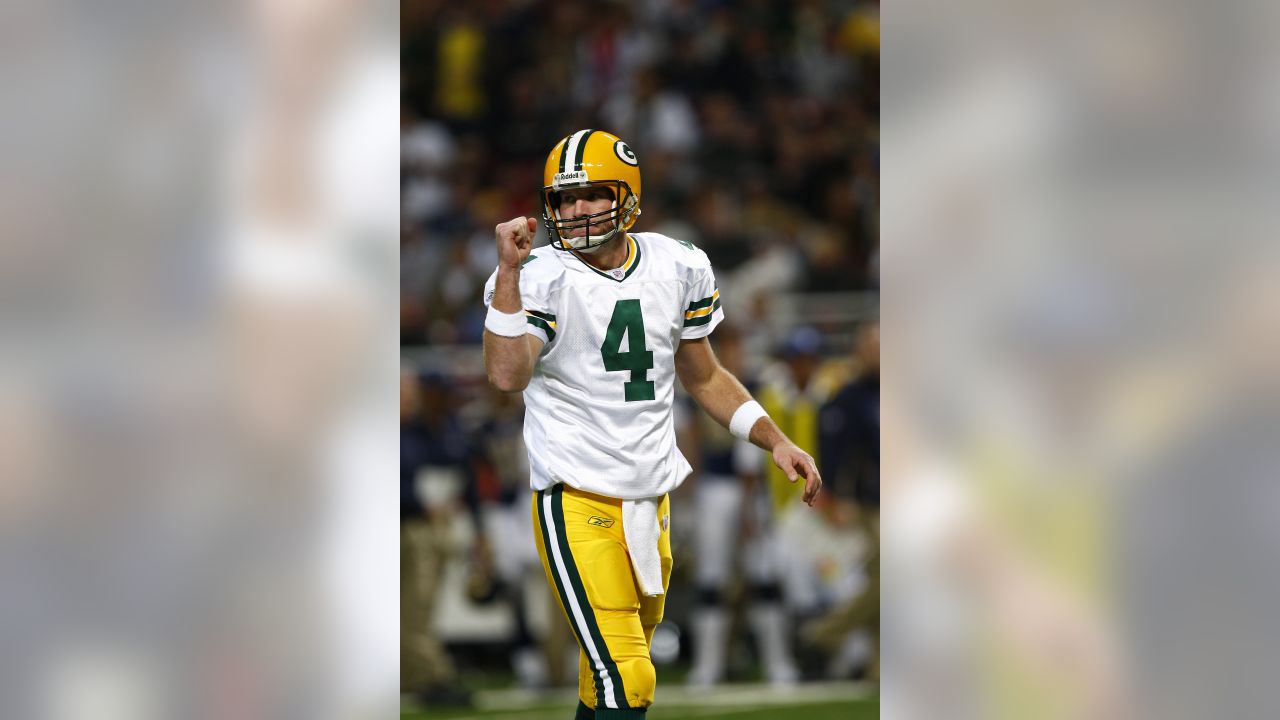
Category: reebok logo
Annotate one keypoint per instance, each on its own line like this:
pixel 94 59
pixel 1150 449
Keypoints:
pixel 602 522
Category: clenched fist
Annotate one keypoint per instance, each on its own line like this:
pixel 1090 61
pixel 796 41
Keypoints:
pixel 515 240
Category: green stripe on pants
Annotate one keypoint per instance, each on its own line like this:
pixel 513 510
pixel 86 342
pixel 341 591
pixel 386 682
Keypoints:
pixel 575 586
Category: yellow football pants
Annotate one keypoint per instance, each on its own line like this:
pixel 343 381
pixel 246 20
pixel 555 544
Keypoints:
pixel 585 556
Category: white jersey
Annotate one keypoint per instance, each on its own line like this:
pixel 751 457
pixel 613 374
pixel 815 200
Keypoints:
pixel 598 409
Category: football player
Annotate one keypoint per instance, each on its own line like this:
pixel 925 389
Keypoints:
pixel 594 330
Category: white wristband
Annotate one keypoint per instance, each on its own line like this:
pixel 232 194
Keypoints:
pixel 504 324
pixel 744 418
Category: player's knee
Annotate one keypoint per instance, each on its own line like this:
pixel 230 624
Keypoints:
pixel 640 680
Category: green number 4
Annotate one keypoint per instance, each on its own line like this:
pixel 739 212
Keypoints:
pixel 628 321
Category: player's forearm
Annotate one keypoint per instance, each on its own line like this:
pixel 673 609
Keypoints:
pixel 720 394
pixel 508 362
pixel 506 291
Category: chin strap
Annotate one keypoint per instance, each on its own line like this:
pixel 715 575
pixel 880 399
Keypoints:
pixel 598 241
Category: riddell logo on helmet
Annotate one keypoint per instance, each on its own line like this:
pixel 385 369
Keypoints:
pixel 566 178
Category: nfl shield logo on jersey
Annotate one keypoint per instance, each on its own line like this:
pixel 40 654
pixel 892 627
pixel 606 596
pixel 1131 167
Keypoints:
pixel 666 520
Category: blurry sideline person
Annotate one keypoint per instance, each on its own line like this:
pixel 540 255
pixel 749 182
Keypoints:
pixel 849 427
pixel 595 331
pixel 503 548
pixel 733 532
pixel 792 392
pixel 433 470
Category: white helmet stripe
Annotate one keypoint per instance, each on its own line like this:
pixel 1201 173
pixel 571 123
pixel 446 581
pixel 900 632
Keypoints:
pixel 571 150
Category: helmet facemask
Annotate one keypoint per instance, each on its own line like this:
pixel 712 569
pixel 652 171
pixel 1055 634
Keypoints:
pixel 621 214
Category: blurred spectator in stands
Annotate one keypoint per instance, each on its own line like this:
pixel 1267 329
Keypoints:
pixel 850 462
pixel 659 119
pixel 433 472
pixel 510 561
pixel 450 307
pixel 733 532
pixel 417 258
pixel 460 96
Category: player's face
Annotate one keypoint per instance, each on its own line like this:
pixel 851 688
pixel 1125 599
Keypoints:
pixel 580 202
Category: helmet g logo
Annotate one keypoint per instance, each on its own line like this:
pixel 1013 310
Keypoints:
pixel 625 154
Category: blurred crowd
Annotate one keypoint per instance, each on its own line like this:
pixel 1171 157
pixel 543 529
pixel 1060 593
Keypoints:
pixel 756 125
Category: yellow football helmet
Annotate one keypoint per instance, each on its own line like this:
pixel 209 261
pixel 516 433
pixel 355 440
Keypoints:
pixel 590 158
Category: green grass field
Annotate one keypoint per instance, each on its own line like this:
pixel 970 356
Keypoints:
pixel 815 701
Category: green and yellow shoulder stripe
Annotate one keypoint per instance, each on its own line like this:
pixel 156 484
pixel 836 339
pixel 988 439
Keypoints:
pixel 699 312
pixel 545 322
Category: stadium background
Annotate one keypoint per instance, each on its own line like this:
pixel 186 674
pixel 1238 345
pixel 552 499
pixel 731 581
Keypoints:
pixel 756 124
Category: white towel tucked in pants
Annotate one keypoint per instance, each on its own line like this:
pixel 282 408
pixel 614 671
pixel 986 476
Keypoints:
pixel 640 526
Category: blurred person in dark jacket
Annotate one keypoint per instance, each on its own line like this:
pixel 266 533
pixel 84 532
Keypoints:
pixel 849 440
pixel 433 472
pixel 849 427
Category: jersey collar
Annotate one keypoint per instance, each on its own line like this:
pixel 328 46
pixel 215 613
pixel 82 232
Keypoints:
pixel 624 271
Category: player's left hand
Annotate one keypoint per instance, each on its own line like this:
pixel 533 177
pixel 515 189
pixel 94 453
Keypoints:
pixel 797 463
